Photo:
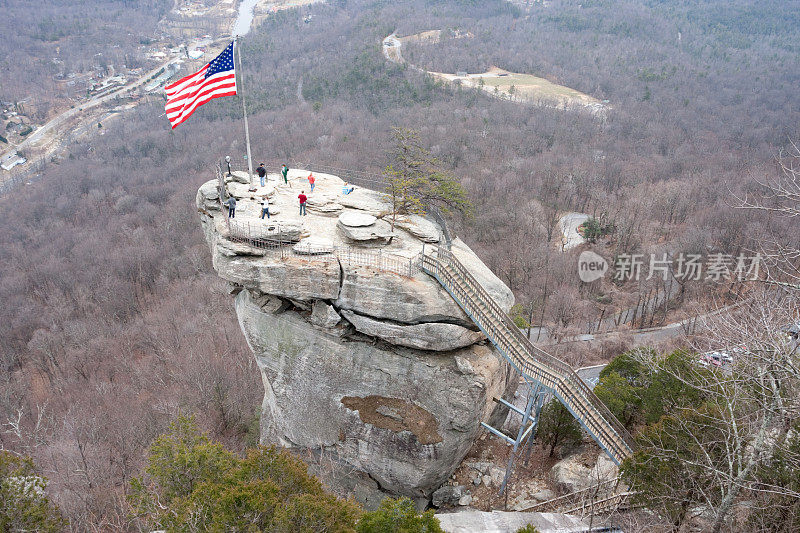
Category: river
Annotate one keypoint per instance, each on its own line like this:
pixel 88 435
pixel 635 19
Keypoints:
pixel 245 18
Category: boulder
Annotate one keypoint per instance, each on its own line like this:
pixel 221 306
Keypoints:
pixel 238 176
pixel 400 418
pixel 419 227
pixel 208 196
pixel 447 495
pixel 543 495
pixel 465 500
pixel 571 474
pixel 378 231
pixel 497 474
pixel 428 336
pixel 288 277
pixel 355 399
pixel 324 315
pixel 377 294
pixel 267 190
pixel 354 219
pixel 493 285
pixel 372 202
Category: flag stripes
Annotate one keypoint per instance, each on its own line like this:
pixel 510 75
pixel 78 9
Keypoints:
pixel 214 80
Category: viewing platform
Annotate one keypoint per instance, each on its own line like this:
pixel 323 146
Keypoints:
pixel 343 218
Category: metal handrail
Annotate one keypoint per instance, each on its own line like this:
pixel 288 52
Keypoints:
pixel 380 260
pixel 549 371
pixel 569 499
pixel 361 178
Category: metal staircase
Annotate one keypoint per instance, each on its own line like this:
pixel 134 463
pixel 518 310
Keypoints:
pixel 538 368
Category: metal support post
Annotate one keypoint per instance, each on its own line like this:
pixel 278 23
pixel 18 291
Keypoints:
pixel 520 433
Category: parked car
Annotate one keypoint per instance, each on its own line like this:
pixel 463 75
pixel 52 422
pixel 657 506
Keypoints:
pixel 792 330
pixel 720 357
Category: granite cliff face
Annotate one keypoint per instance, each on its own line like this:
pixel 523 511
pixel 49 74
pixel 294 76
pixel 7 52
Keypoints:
pixel 381 373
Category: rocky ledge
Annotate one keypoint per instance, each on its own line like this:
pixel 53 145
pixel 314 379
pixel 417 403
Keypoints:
pixel 379 371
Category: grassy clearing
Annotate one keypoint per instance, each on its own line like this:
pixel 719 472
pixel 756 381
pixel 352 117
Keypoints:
pixel 526 87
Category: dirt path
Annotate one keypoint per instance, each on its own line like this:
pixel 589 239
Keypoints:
pixel 499 83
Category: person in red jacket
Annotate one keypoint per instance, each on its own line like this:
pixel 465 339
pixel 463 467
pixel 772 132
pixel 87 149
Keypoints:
pixel 311 180
pixel 302 197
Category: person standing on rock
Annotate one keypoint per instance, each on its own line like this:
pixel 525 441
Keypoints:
pixel 302 197
pixel 231 207
pixel 311 180
pixel 264 207
pixel 262 173
pixel 285 174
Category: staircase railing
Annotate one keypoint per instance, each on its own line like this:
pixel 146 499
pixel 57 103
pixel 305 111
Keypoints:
pixel 532 362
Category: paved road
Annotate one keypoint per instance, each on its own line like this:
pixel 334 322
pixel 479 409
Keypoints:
pixel 80 109
pixel 569 224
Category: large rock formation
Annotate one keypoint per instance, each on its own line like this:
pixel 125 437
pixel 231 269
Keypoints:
pixel 382 373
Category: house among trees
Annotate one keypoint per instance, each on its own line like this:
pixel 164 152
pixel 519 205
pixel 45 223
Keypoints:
pixel 10 160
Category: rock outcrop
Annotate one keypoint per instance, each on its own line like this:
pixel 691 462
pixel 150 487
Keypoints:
pixel 578 472
pixel 375 367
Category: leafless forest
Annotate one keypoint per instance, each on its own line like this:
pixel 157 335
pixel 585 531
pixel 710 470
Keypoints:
pixel 112 319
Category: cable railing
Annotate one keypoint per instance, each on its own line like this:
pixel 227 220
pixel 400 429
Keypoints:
pixel 574 499
pixel 529 360
pixel 369 180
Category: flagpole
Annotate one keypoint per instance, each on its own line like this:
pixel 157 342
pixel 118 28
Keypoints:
pixel 244 112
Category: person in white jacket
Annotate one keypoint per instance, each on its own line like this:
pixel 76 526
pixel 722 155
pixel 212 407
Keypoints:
pixel 264 206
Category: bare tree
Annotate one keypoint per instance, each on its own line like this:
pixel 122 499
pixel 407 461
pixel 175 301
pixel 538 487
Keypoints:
pixel 716 447
pixel 780 195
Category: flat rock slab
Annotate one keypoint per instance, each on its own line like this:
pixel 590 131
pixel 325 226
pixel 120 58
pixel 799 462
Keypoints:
pixel 379 231
pixel 316 199
pixel 419 227
pixel 509 522
pixel 331 208
pixel 372 202
pixel 429 336
pixel 240 190
pixel 285 231
pixel 238 176
pixel 313 246
pixel 354 219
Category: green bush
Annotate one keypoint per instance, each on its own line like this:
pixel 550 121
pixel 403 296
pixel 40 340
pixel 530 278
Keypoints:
pixel 398 516
pixel 557 427
pixel 24 505
pixel 594 229
pixel 194 484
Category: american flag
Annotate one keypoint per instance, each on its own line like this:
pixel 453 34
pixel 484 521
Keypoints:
pixel 215 80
